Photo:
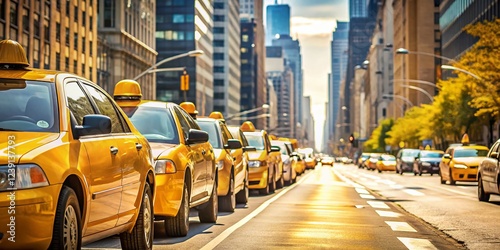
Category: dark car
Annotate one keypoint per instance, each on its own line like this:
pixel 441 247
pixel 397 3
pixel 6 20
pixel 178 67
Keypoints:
pixel 427 161
pixel 405 159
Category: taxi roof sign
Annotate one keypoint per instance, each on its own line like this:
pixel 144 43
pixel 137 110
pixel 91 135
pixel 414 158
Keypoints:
pixel 247 127
pixel 12 54
pixel 216 115
pixel 189 107
pixel 127 90
pixel 465 139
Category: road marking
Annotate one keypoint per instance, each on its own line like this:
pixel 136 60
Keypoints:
pixel 362 191
pixel 378 204
pixel 400 226
pixel 388 213
pixel 217 240
pixel 367 196
pixel 413 192
pixel 360 206
pixel 412 243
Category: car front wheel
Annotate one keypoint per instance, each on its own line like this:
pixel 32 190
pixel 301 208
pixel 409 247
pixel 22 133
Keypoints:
pixel 67 224
pixel 227 203
pixel 141 236
pixel 481 195
pixel 208 214
pixel 178 226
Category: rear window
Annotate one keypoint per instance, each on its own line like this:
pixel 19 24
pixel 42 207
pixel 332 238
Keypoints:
pixel 29 106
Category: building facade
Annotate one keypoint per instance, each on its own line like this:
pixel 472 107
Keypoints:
pixel 293 59
pixel 182 26
pixel 339 45
pixel 357 8
pixel 415 29
pixel 227 57
pixel 455 15
pixel 277 21
pixel 55 36
pixel 126 33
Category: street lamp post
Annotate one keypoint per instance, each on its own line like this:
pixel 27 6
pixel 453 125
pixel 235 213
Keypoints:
pixel 233 116
pixel 444 66
pixel 417 81
pixel 418 89
pixel 191 53
pixel 403 51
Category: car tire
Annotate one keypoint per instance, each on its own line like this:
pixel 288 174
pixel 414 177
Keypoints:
pixel 272 186
pixel 281 182
pixel 178 226
pixel 452 182
pixel 242 195
pixel 227 203
pixel 481 195
pixel 141 236
pixel 443 181
pixel 265 191
pixel 208 212
pixel 67 223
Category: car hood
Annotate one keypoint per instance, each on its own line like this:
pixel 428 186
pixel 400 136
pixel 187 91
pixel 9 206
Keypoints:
pixel 159 149
pixel 258 155
pixel 21 143
pixel 468 160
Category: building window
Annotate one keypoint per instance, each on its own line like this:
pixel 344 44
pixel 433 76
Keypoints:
pixel 2 30
pixel 76 14
pixel 75 44
pixel 36 24
pixel 13 13
pixel 244 38
pixel 13 33
pixel 58 61
pixel 83 69
pixel 2 10
pixel 219 56
pixel 58 4
pixel 26 44
pixel 46 29
pixel 67 36
pixel 83 44
pixel 218 5
pixel 26 19
pixel 178 18
pixel 75 66
pixel 219 18
pixel 90 48
pixel 47 56
pixel 91 21
pixel 109 13
pixel 178 2
pixel 83 19
pixel 58 32
pixel 219 82
pixel 66 63
pixel 218 30
pixel 47 9
pixel 36 53
pixel 189 35
pixel 218 69
pixel 219 43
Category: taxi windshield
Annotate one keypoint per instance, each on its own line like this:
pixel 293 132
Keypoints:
pixel 469 152
pixel 156 124
pixel 28 106
pixel 211 129
pixel 431 154
pixel 255 141
pixel 388 158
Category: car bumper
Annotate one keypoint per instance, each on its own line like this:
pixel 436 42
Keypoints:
pixel 169 188
pixel 28 218
pixel 459 174
pixel 258 177
pixel 407 167
pixel 387 167
pixel 430 169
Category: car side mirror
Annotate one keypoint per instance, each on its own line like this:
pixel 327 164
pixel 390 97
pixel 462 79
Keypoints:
pixel 93 125
pixel 447 156
pixel 294 154
pixel 249 148
pixel 494 155
pixel 275 149
pixel 416 158
pixel 233 144
pixel 197 136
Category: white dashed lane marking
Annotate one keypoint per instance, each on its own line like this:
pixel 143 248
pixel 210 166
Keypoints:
pixel 400 226
pixel 367 196
pixel 413 192
pixel 412 243
pixel 378 204
pixel 362 191
pixel 388 214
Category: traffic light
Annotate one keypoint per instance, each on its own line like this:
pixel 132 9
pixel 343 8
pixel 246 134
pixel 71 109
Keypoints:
pixel 184 82
pixel 351 138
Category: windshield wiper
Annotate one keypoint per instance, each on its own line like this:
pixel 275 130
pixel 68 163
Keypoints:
pixel 7 129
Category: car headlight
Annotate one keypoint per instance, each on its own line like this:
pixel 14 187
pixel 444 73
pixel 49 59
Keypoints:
pixel 426 164
pixel 165 167
pixel 219 164
pixel 461 166
pixel 254 164
pixel 21 177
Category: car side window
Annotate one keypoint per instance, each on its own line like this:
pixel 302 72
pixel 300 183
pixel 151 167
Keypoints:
pixel 243 138
pixel 493 149
pixel 226 135
pixel 106 108
pixel 78 103
pixel 182 120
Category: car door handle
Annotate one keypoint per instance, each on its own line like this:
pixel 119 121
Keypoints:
pixel 138 146
pixel 114 150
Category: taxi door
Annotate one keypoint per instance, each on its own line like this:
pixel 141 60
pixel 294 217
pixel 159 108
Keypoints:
pixel 237 155
pixel 105 174
pixel 125 151
pixel 490 170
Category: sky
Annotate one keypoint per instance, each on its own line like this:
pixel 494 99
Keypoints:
pixel 312 22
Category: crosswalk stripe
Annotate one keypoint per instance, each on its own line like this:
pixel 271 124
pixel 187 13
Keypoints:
pixel 413 243
pixel 413 192
pixel 367 196
pixel 362 191
pixel 388 213
pixel 377 204
pixel 400 226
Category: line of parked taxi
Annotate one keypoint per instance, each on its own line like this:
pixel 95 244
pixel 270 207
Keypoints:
pixel 78 165
pixel 463 162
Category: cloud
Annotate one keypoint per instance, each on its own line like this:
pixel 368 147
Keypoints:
pixel 303 26
pixel 319 8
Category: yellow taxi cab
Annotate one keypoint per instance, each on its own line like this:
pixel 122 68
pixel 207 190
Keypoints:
pixel 309 159
pixel 460 162
pixel 386 162
pixel 232 170
pixel 265 172
pixel 298 163
pixel 184 160
pixel 73 168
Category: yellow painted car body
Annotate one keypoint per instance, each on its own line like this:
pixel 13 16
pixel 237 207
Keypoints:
pixel 460 163
pixel 386 162
pixel 54 157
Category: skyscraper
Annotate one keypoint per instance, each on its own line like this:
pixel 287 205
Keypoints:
pixel 357 8
pixel 277 21
pixel 339 47
pixel 227 57
pixel 182 26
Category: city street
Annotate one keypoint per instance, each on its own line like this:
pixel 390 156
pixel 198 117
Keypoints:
pixel 324 209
